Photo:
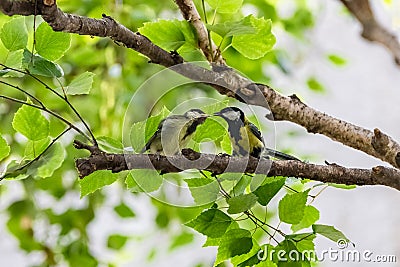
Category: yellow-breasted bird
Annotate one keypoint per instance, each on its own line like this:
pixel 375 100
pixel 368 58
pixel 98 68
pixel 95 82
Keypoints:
pixel 174 133
pixel 245 137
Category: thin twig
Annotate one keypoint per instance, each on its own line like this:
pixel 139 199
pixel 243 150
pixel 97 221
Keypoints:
pixel 265 230
pixel 315 196
pixel 58 95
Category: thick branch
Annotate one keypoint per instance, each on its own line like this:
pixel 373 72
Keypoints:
pixel 224 79
pixel 375 143
pixel 218 164
pixel 372 30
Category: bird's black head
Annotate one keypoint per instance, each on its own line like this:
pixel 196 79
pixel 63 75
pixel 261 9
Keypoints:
pixel 231 114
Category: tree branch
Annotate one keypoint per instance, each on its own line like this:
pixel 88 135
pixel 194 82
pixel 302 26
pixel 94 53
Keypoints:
pixel 218 164
pixel 372 30
pixel 191 14
pixel 222 78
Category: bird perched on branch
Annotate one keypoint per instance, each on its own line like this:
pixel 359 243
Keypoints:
pixel 245 137
pixel 174 133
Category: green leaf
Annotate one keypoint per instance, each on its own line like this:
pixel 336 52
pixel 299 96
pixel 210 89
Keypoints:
pixel 315 85
pixel 4 148
pixel 214 241
pixel 301 20
pixel 304 242
pixel 124 211
pixel 97 180
pixel 337 60
pixel 241 203
pixel 14 60
pixel 311 215
pixel 109 144
pixel 137 135
pixel 289 247
pixel 34 148
pixel 180 240
pixel 170 35
pixel 267 191
pixel 212 223
pixel 14 34
pixel 234 242
pixel 48 163
pixel 50 44
pixel 116 241
pixel 203 190
pixel 329 232
pixel 143 180
pixel 266 263
pixel 12 171
pixel 81 84
pixel 252 261
pixel 142 131
pixel 241 185
pixel 248 259
pixel 223 6
pixel 17 226
pixel 256 45
pixel 260 179
pixel 291 207
pixel 30 122
pixel 230 176
pixel 214 107
pixel 41 66
pixel 233 28
pixel 153 122
pixel 226 144
pixel 209 130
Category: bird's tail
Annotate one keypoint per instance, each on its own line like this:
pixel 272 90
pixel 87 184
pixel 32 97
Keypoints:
pixel 279 155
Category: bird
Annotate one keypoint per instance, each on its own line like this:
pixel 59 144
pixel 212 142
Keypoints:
pixel 174 132
pixel 246 138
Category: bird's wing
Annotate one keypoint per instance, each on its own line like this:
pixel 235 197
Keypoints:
pixel 256 132
pixel 279 155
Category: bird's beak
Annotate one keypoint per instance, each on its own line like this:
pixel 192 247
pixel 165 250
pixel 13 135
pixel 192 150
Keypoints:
pixel 217 113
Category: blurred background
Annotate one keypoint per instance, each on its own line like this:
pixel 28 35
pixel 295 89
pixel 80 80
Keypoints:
pixel 319 56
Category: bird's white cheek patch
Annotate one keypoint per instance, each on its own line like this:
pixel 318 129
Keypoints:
pixel 232 115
